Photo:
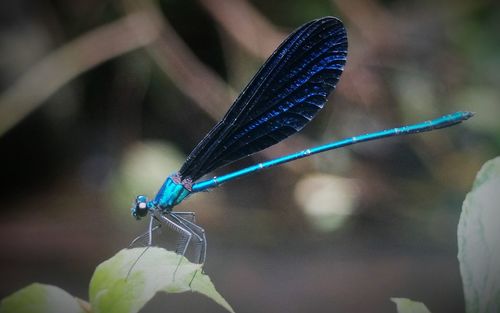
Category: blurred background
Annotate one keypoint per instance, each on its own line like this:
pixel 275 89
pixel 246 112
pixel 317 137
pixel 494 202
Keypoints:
pixel 101 100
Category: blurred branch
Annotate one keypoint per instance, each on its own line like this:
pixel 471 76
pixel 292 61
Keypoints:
pixel 69 61
pixel 198 82
pixel 361 82
pixel 374 23
pixel 247 26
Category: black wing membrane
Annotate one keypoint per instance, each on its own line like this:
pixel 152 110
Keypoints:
pixel 284 95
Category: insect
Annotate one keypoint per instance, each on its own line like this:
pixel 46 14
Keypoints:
pixel 285 94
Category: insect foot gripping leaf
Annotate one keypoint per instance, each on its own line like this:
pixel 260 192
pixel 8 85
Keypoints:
pixel 125 283
pixel 479 241
pixel 39 298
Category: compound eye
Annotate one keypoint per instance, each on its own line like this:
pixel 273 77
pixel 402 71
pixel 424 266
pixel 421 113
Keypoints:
pixel 141 207
pixel 141 199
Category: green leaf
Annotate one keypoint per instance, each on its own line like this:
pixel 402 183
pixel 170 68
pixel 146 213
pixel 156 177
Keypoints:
pixel 479 241
pixel 151 271
pixel 409 306
pixel 39 298
pixel 489 171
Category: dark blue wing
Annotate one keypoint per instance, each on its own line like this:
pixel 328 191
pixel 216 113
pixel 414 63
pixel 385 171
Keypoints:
pixel 284 95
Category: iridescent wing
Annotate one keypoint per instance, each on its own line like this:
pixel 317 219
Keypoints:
pixel 284 95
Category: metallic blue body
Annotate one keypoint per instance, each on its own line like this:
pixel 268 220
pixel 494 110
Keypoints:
pixel 441 122
pixel 170 194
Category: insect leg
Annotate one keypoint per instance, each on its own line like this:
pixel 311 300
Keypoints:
pixel 154 225
pixel 187 219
